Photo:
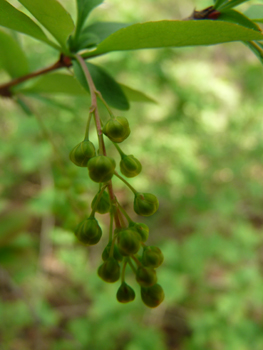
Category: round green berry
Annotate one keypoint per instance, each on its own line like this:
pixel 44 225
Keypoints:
pixel 142 229
pixel 145 204
pixel 129 242
pixel 130 166
pixel 109 271
pixel 88 231
pixel 152 296
pixel 145 276
pixel 101 168
pixel 117 129
pixel 82 153
pixel 125 293
pixel 152 257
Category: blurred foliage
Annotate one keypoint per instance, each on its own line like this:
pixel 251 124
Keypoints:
pixel 201 150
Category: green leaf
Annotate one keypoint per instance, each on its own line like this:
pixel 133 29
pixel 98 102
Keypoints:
pixel 230 4
pixel 238 18
pixel 84 7
pixel 104 29
pixel 108 87
pixel 218 3
pixel 135 95
pixel 255 12
pixel 80 75
pixel 175 34
pixel 52 83
pixel 10 50
pixel 53 17
pixel 257 48
pixel 11 18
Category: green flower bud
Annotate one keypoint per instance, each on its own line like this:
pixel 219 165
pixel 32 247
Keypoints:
pixel 125 293
pixel 130 166
pixel 129 242
pixel 88 231
pixel 116 253
pixel 101 168
pixel 109 271
pixel 152 256
pixel 152 296
pixel 103 205
pixel 143 230
pixel 82 153
pixel 117 129
pixel 145 204
pixel 145 276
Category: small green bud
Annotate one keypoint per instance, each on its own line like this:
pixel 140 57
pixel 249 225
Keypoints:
pixel 117 129
pixel 116 253
pixel 125 293
pixel 82 153
pixel 130 166
pixel 109 271
pixel 142 229
pixel 145 204
pixel 129 242
pixel 152 256
pixel 101 168
pixel 145 276
pixel 152 296
pixel 103 205
pixel 88 231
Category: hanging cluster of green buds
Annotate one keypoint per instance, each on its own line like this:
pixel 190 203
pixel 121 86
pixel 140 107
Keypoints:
pixel 126 244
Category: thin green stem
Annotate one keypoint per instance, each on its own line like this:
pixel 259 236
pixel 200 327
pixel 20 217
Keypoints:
pixel 94 106
pixel 123 270
pixel 125 214
pixel 105 103
pixel 112 247
pixel 131 265
pixel 126 183
pixel 88 126
pixel 138 263
pixel 111 226
pixel 119 150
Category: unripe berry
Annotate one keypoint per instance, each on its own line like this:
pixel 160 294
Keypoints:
pixel 130 166
pixel 103 205
pixel 142 229
pixel 129 242
pixel 88 231
pixel 145 204
pixel 82 153
pixel 152 296
pixel 117 129
pixel 109 271
pixel 125 293
pixel 101 168
pixel 145 276
pixel 116 253
pixel 152 257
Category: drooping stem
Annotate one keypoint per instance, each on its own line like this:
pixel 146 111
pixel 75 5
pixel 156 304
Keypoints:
pixel 105 103
pixel 126 183
pixel 94 106
pixel 131 265
pixel 123 270
pixel 87 127
pixel 119 150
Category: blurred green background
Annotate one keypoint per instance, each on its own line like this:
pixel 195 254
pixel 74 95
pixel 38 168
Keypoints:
pixel 201 148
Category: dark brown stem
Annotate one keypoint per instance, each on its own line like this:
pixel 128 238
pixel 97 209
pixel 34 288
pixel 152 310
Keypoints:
pixel 5 89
